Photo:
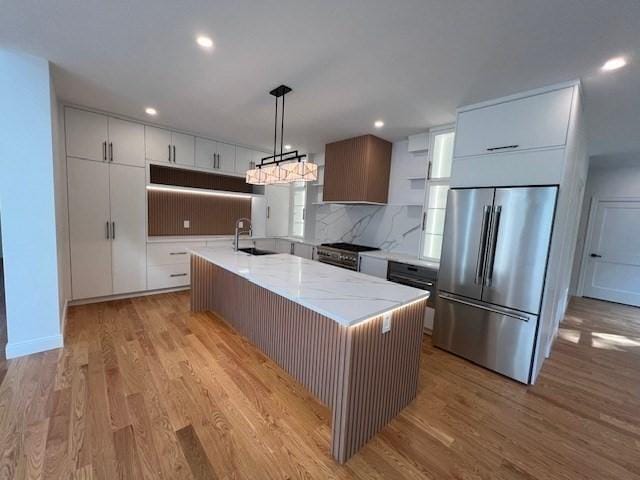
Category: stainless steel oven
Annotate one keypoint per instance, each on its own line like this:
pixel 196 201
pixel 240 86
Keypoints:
pixel 416 276
pixel 343 255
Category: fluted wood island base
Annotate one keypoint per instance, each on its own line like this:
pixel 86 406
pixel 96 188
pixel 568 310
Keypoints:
pixel 363 375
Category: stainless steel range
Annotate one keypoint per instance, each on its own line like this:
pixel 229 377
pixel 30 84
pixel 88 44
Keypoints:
pixel 343 255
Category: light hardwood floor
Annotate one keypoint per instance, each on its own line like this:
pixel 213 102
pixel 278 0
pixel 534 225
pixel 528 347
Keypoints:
pixel 146 389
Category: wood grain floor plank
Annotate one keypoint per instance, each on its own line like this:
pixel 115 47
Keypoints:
pixel 195 454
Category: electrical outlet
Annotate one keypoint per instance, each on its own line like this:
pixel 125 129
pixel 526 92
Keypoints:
pixel 187 224
pixel 386 322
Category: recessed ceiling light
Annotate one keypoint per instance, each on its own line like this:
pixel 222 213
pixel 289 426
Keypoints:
pixel 287 147
pixel 378 124
pixel 151 111
pixel 204 42
pixel 614 64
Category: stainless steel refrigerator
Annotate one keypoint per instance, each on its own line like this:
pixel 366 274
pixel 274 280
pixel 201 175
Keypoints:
pixel 491 277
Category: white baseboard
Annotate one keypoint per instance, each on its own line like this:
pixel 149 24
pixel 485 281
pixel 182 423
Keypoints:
pixel 108 298
pixel 42 344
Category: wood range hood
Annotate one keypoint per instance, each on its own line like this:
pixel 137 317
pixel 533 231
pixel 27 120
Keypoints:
pixel 357 171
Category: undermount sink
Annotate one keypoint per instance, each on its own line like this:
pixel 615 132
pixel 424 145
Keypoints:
pixel 255 251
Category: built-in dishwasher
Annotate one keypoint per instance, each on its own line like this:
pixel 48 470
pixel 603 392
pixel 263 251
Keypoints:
pixel 416 276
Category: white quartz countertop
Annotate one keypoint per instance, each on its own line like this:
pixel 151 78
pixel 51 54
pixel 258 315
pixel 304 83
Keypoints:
pixel 343 295
pixel 401 257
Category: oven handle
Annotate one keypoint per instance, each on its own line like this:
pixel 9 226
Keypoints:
pixel 335 264
pixel 402 279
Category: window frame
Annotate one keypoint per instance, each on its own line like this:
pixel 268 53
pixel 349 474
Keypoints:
pixel 432 182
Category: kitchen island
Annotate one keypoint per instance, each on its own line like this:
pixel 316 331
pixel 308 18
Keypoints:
pixel 352 340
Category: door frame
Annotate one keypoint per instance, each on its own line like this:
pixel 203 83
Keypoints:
pixel 593 207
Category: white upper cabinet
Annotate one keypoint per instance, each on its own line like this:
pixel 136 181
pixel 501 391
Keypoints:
pixel 157 144
pixel 183 149
pixel 216 156
pixel 166 146
pixel 244 157
pixel 226 157
pixel 247 159
pixel 536 121
pixel 92 136
pixel 126 142
pixel 206 153
pixel 87 135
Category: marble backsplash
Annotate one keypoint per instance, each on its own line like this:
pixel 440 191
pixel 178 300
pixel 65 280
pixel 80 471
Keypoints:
pixel 388 227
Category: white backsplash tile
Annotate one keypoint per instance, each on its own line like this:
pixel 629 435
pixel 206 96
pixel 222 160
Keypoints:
pixel 392 228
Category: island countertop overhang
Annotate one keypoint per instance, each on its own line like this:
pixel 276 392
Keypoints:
pixel 349 298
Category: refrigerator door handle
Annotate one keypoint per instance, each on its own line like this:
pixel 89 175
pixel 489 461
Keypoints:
pixel 484 307
pixel 493 242
pixel 486 214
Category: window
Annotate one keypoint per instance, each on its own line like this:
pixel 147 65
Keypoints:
pixel 297 203
pixel 437 187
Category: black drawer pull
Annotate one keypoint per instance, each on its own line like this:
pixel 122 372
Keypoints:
pixel 491 149
pixel 177 253
pixel 178 275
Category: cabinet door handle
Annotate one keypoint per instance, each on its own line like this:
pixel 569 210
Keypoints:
pixel 107 231
pixel 113 230
pixel 178 275
pixel 595 255
pixel 111 151
pixel 429 170
pixel 424 220
pixel 104 151
pixel 169 152
pixel 268 212
pixel 174 154
pixel 506 147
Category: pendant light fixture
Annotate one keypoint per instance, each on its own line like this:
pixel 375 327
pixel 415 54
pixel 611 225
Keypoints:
pixel 283 167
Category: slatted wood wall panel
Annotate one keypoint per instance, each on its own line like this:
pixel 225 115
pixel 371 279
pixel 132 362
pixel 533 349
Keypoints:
pixel 208 215
pixel 378 169
pixel 181 177
pixel 364 376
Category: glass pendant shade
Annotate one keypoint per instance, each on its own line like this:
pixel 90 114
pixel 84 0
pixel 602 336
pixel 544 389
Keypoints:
pixel 301 171
pixel 256 176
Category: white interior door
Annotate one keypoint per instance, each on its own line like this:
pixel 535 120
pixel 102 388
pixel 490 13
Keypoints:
pixel 128 235
pixel 89 236
pixel 126 141
pixel 612 255
pixel 86 134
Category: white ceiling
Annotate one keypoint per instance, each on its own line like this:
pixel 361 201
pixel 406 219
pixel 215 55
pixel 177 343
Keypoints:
pixel 350 62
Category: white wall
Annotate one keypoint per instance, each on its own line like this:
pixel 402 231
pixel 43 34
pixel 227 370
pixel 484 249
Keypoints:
pixel 614 177
pixel 27 202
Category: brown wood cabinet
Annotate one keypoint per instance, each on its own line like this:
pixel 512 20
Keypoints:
pixel 357 170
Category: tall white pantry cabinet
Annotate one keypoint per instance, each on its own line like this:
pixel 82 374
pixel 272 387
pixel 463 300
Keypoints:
pixel 106 189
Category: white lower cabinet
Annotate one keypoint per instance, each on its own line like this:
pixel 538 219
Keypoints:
pixel 168 264
pixel 168 276
pixel 107 228
pixel 373 266
pixel 303 250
